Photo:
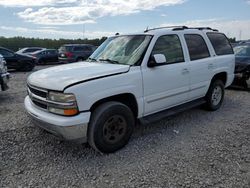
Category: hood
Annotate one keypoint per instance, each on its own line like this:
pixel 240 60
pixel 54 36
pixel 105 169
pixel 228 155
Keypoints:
pixel 59 77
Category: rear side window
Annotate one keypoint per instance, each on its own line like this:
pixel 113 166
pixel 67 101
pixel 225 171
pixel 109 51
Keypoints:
pixel 65 48
pixel 220 43
pixel 197 46
pixel 170 46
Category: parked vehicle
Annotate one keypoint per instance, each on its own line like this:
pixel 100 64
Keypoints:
pixel 4 75
pixel 145 77
pixel 29 50
pixel 46 56
pixel 17 61
pixel 75 52
pixel 242 64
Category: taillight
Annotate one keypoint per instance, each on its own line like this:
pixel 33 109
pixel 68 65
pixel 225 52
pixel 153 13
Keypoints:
pixel 69 54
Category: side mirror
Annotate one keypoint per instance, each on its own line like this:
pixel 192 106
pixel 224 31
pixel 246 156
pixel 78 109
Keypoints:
pixel 156 60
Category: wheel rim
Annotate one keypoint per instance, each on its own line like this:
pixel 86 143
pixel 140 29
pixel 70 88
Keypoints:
pixel 216 95
pixel 114 129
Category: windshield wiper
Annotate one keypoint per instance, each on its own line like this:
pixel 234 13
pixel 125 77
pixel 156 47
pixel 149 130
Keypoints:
pixel 92 59
pixel 110 61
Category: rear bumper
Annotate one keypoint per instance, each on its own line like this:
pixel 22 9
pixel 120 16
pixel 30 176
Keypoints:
pixel 4 79
pixel 68 128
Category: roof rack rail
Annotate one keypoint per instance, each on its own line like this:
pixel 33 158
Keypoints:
pixel 178 28
pixel 167 27
pixel 204 28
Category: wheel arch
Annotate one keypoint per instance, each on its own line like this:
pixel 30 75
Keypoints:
pixel 220 76
pixel 127 98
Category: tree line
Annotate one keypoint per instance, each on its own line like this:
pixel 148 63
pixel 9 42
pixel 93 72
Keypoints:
pixel 16 43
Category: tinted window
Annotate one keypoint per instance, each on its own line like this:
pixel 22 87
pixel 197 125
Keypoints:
pixel 65 48
pixel 220 43
pixel 32 50
pixel 51 52
pixel 82 48
pixel 6 53
pixel 170 46
pixel 197 47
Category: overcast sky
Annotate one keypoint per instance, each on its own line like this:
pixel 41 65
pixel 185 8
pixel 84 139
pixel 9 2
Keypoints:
pixel 97 18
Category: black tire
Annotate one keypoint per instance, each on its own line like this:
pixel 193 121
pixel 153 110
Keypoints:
pixel 42 62
pixel 79 59
pixel 215 95
pixel 27 67
pixel 111 126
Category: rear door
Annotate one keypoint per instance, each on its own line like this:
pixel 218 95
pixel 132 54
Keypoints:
pixel 200 65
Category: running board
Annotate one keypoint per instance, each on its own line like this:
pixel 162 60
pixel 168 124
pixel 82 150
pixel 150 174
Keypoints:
pixel 172 111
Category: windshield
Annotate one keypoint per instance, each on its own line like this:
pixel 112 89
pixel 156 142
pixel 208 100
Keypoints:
pixel 122 49
pixel 242 51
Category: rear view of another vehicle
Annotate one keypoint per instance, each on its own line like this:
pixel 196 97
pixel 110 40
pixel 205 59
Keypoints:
pixel 75 52
pixel 242 64
pixel 46 56
pixel 4 75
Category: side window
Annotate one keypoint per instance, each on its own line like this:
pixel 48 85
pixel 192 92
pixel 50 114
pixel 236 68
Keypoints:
pixel 220 43
pixel 6 53
pixel 78 49
pixel 86 48
pixel 197 46
pixel 170 46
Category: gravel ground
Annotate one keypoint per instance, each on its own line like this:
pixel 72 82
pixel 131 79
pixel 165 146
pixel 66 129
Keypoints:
pixel 192 149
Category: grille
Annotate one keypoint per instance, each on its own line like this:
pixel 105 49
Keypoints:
pixel 37 92
pixel 41 105
pixel 38 97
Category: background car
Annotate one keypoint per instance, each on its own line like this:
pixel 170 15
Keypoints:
pixel 19 62
pixel 4 75
pixel 46 56
pixel 242 64
pixel 29 50
pixel 75 52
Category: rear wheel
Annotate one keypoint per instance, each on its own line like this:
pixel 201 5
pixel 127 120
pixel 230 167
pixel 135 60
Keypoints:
pixel 28 66
pixel 110 127
pixel 215 95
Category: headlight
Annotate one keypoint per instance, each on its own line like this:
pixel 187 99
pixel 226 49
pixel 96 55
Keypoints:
pixel 62 104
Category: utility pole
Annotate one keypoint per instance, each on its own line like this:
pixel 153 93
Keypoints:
pixel 83 32
pixel 240 35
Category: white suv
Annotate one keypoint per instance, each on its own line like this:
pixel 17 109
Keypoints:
pixel 144 76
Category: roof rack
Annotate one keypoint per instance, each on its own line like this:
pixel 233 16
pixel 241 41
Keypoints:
pixel 167 27
pixel 203 28
pixel 178 28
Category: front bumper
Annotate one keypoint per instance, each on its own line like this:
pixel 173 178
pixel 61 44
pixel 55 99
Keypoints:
pixel 68 128
pixel 4 79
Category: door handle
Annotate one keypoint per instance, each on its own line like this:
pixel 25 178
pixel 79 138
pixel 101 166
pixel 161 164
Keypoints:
pixel 185 71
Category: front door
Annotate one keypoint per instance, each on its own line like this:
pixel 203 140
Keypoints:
pixel 166 85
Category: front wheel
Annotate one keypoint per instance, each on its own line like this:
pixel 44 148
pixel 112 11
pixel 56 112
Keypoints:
pixel 110 127
pixel 215 95
pixel 27 67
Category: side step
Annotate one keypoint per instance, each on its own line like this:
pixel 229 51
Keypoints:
pixel 172 111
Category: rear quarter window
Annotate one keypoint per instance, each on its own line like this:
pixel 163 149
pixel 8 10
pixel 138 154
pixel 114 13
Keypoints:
pixel 197 47
pixel 220 43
